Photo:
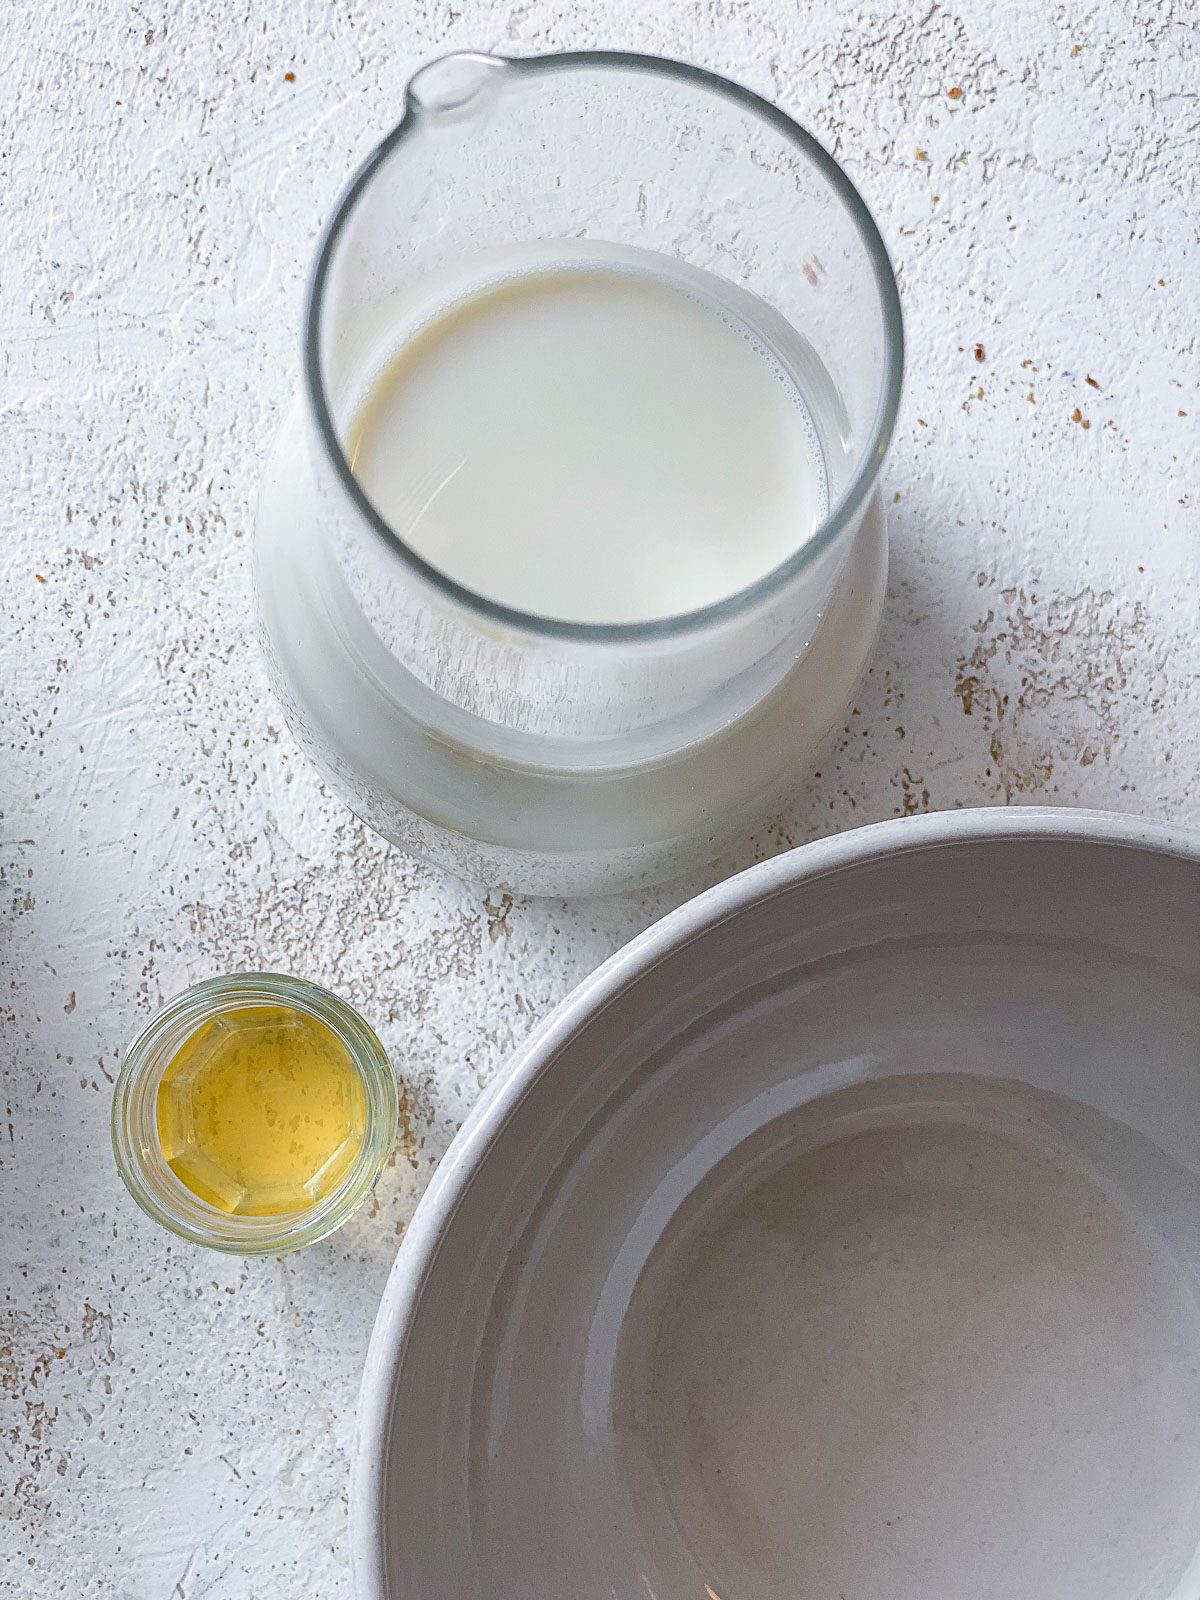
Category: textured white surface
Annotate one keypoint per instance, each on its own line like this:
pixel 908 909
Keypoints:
pixel 174 1423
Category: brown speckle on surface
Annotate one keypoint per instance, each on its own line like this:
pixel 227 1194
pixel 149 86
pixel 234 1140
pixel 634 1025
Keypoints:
pixel 497 915
pixel 289 77
pixel 955 93
pixel 1091 382
pixel 979 352
pixel 415 1116
pixel 914 794
pixel 1065 661
pixel 965 686
pixel 1077 415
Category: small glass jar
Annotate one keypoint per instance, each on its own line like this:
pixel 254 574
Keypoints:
pixel 137 1146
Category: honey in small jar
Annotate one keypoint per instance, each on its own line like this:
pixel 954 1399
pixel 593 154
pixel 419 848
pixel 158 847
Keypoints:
pixel 254 1113
pixel 261 1111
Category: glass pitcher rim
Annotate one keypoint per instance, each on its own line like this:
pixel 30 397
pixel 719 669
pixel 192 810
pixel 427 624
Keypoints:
pixel 844 510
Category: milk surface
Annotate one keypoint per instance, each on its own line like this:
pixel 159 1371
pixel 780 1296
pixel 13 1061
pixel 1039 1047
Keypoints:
pixel 590 442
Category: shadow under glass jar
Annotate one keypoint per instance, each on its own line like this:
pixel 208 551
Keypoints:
pixel 537 752
pixel 144 1166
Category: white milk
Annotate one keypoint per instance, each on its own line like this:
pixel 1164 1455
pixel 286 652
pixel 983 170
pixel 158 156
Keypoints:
pixel 591 442
pixel 595 434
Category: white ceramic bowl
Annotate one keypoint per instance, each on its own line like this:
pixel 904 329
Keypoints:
pixel 839 1237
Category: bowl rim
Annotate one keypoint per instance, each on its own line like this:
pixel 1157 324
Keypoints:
pixel 664 938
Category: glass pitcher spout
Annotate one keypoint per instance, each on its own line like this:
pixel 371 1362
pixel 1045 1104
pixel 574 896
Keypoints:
pixel 456 85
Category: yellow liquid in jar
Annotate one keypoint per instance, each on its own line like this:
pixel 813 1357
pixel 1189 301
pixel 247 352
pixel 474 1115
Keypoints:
pixel 261 1111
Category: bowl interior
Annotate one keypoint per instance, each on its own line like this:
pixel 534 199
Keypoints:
pixel 850 1246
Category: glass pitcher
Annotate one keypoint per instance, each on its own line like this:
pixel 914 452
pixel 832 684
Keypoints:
pixel 539 753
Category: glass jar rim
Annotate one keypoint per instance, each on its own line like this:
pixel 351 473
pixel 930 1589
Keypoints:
pixel 138 1153
pixel 841 514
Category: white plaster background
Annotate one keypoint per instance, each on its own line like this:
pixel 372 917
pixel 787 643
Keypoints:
pixel 173 1423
